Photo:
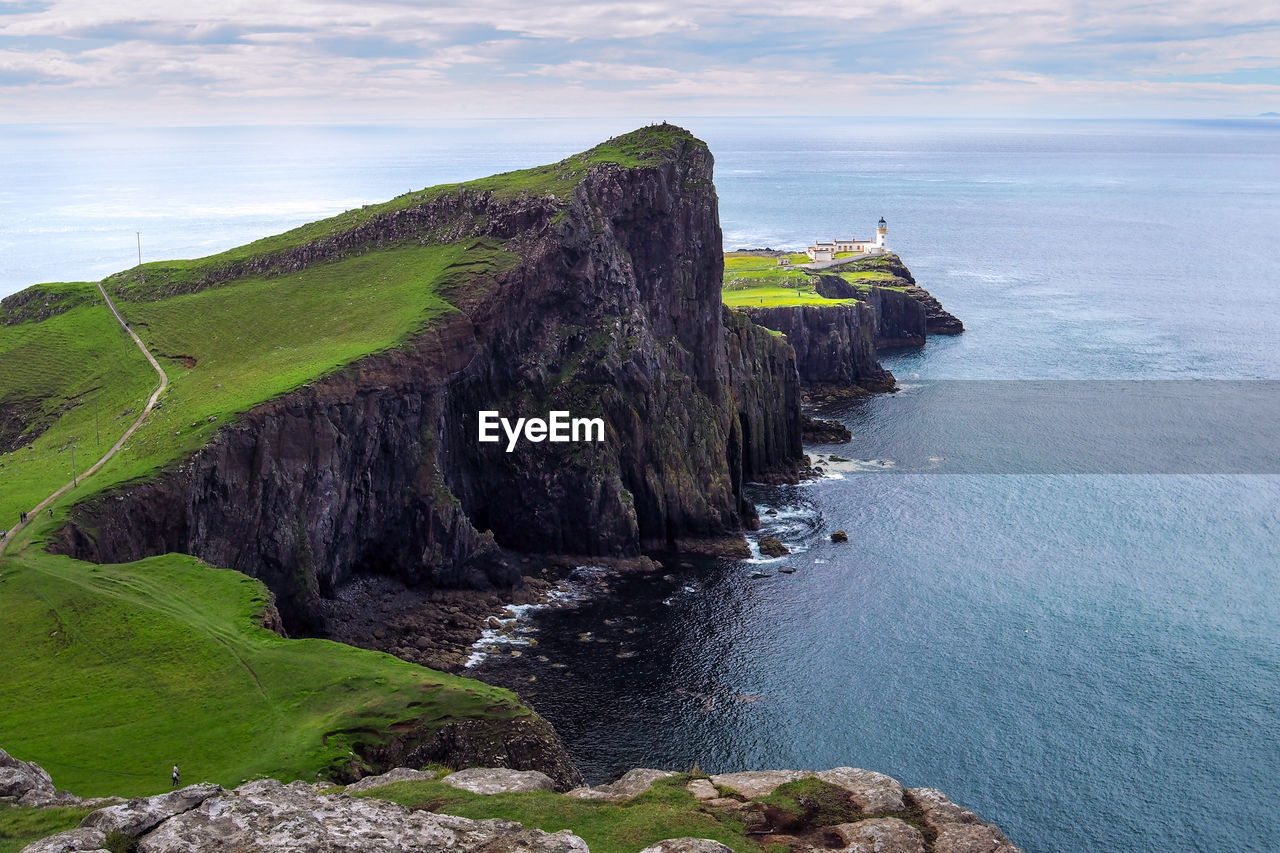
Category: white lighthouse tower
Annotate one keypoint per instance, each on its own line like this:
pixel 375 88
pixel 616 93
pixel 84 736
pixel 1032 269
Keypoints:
pixel 882 228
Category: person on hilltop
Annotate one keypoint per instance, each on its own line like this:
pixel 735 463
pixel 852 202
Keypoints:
pixel 175 775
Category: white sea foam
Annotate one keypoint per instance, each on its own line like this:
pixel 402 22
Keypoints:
pixel 514 630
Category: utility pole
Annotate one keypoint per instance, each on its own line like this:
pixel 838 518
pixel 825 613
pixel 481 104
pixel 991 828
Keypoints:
pixel 97 433
pixel 73 467
pixel 139 233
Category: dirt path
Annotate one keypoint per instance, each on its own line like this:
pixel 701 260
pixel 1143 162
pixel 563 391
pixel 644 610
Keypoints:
pixel 151 404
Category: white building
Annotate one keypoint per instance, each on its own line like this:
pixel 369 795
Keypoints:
pixel 827 251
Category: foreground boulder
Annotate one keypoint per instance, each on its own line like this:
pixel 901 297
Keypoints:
pixel 19 778
pixel 632 784
pixel 959 830
pixel 498 780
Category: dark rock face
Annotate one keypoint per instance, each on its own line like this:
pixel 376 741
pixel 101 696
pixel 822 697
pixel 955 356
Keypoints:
pixel 937 320
pixel 522 743
pixel 822 431
pixel 834 344
pixel 612 311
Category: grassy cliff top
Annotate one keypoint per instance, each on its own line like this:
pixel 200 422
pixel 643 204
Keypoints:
pixel 645 146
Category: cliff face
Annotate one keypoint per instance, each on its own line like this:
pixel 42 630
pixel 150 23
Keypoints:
pixel 613 311
pixel 835 345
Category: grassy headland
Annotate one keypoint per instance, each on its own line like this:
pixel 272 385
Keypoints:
pixel 113 673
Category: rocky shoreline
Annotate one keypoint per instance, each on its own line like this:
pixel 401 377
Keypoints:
pixel 843 809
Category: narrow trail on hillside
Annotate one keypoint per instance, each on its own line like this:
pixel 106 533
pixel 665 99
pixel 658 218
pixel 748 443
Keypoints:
pixel 151 404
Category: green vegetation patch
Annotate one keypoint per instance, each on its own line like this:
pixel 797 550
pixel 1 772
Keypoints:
pixel 808 803
pixel 764 297
pixel 112 674
pixel 666 810
pixel 20 825
pixel 228 349
pixel 744 271
pixel 758 281
pixel 42 301
pixel 76 379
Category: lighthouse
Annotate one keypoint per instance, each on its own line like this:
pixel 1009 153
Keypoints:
pixel 882 228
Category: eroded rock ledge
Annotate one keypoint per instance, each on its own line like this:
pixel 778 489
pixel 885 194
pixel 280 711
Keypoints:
pixel 843 809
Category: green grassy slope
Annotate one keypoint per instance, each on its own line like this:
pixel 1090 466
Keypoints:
pixel 78 377
pixel 756 281
pixel 124 670
pixel 229 348
pixel 112 673
pixel 20 825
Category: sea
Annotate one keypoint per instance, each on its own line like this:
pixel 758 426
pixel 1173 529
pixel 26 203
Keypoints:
pixel 1088 657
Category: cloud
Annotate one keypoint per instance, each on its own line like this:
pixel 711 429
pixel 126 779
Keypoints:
pixel 241 60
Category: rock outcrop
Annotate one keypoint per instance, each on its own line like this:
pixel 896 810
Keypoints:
pixel 498 780
pixel 879 816
pixel 835 344
pixel 22 778
pixel 632 784
pixel 295 818
pixel 609 308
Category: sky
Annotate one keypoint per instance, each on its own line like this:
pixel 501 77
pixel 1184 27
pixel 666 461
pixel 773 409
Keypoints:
pixel 324 61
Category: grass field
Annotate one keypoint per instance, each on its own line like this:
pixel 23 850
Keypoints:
pixel 666 810
pixel 111 674
pixel 20 825
pixel 763 297
pixel 753 281
pixel 746 271
pixel 75 378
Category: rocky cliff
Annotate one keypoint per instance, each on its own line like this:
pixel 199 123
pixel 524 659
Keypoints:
pixel 610 307
pixel 835 344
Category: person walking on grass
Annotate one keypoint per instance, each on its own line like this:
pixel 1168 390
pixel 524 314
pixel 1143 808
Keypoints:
pixel 175 775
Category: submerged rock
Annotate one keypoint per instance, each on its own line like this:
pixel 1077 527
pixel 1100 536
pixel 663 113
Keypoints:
pixel 771 546
pixel 839 536
pixel 823 431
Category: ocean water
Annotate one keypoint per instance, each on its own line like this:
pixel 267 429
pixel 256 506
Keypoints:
pixel 1092 661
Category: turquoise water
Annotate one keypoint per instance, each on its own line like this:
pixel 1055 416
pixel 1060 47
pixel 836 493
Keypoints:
pixel 1091 661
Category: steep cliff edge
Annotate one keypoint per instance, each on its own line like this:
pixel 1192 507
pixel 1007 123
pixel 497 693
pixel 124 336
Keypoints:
pixel 835 344
pixel 605 304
